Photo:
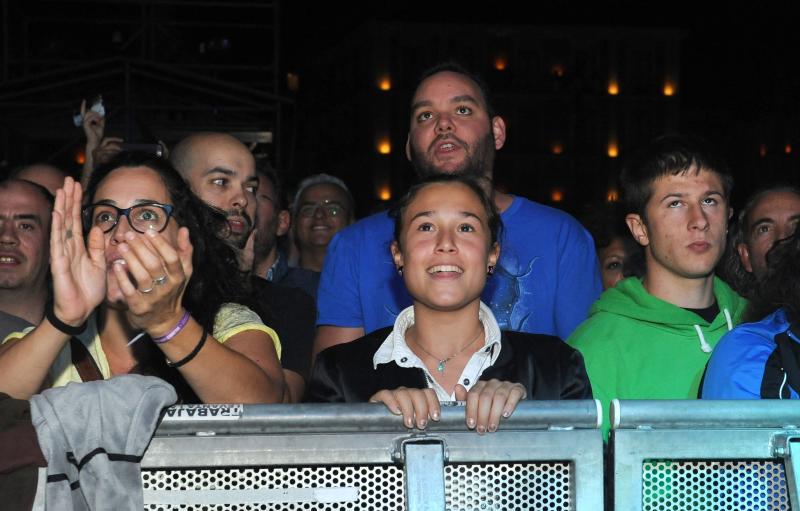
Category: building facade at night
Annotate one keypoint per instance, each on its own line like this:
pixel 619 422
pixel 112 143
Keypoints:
pixel 575 101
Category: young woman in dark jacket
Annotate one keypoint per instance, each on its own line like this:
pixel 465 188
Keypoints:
pixel 447 346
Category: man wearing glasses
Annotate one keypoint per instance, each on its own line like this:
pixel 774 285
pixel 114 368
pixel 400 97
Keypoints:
pixel 322 207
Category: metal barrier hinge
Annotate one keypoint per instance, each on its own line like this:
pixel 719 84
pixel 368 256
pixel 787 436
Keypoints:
pixel 398 452
pixel 423 458
pixel 788 448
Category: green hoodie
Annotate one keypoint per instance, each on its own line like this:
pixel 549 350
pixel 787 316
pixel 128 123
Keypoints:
pixel 637 346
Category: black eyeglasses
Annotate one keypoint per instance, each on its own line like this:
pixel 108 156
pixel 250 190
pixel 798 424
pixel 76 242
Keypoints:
pixel 141 217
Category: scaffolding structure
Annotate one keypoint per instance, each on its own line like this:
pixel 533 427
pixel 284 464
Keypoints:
pixel 164 68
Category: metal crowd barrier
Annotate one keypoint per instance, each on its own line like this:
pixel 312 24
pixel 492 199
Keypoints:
pixel 705 455
pixel 548 455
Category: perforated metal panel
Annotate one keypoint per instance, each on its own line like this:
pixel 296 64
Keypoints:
pixel 380 487
pixel 468 487
pixel 506 486
pixel 714 486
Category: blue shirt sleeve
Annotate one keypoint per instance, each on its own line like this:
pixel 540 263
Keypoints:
pixel 579 283
pixel 338 297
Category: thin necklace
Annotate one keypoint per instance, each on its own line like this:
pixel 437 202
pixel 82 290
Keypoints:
pixel 443 361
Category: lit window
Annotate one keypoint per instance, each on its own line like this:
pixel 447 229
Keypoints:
pixel 292 82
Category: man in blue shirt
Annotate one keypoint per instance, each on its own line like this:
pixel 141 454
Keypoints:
pixel 547 276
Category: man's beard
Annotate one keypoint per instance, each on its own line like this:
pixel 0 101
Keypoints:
pixel 239 239
pixel 478 162
pixel 266 238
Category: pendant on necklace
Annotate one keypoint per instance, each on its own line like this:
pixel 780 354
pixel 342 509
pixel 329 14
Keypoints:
pixel 440 367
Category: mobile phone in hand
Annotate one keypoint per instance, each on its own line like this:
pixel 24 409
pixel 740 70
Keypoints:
pixel 156 149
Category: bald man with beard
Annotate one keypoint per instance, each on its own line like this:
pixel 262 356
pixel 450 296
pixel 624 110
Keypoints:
pixel 221 170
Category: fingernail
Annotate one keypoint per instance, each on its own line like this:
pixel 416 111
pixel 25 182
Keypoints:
pixel 409 423
pixel 506 413
pixel 492 427
pixel 481 430
pixel 435 416
pixel 397 411
pixel 470 423
pixel 422 424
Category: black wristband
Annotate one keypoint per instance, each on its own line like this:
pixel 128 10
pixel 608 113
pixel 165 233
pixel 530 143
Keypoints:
pixel 50 314
pixel 191 355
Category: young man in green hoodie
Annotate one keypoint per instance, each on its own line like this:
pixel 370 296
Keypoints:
pixel 650 338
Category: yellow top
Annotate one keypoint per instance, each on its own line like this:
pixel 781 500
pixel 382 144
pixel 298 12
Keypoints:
pixel 231 319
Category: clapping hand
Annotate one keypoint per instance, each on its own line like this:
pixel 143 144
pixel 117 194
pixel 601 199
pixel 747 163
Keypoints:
pixel 78 268
pixel 154 278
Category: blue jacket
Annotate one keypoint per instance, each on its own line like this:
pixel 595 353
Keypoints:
pixel 746 363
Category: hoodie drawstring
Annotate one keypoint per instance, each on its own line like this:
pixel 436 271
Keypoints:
pixel 703 344
pixel 728 319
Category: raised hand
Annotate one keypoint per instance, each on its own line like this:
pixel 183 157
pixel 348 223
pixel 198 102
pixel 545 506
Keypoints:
pixel 416 406
pixel 78 269
pixel 160 273
pixel 94 126
pixel 488 401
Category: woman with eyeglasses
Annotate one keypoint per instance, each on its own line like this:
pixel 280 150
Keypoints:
pixel 143 283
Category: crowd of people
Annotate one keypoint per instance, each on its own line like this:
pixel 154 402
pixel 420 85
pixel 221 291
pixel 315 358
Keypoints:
pixel 198 268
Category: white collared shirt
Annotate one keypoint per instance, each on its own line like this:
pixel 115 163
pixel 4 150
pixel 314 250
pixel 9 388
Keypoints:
pixel 394 348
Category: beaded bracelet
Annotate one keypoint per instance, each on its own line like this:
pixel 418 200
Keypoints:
pixel 172 333
pixel 191 355
pixel 50 314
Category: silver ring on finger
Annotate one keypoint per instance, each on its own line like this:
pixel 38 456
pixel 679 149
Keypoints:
pixel 145 291
pixel 159 281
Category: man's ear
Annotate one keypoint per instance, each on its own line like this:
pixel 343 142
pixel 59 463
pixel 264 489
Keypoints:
pixel 284 222
pixel 638 229
pixel 408 147
pixel 494 254
pixel 397 255
pixel 744 257
pixel 499 131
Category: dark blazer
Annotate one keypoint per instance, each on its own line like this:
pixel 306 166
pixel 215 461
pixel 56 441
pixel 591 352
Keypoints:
pixel 546 366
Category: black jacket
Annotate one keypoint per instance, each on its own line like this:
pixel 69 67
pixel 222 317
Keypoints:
pixel 545 365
